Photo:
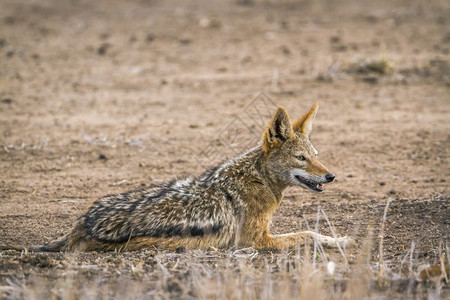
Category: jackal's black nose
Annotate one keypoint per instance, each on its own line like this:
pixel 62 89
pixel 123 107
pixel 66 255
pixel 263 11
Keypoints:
pixel 330 177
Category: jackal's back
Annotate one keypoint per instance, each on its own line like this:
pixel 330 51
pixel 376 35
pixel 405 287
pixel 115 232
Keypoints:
pixel 180 208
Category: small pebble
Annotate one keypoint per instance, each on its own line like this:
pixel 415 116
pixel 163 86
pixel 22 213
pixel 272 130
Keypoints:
pixel 102 49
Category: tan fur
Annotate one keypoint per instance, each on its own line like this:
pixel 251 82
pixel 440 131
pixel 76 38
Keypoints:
pixel 229 205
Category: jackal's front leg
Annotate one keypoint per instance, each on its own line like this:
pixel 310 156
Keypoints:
pixel 290 240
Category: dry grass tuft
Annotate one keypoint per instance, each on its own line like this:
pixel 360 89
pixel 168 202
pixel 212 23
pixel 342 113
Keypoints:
pixel 240 274
pixel 309 272
pixel 381 65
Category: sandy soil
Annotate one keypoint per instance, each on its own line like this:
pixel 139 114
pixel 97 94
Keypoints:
pixel 98 97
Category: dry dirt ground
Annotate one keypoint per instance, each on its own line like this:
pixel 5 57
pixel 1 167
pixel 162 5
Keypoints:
pixel 98 97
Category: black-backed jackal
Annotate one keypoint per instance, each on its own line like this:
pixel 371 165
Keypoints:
pixel 230 205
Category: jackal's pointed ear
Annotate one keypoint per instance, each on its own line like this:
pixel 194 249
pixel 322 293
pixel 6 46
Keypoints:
pixel 304 124
pixel 279 129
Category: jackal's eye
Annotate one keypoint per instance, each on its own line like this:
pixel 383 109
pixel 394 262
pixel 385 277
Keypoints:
pixel 300 157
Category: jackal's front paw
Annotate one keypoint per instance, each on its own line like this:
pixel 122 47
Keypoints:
pixel 346 242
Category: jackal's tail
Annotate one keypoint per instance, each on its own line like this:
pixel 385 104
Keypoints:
pixel 53 246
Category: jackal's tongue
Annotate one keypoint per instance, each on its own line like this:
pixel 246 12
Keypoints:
pixel 319 186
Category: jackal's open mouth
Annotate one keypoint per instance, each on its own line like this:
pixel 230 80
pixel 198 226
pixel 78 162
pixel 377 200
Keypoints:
pixel 312 185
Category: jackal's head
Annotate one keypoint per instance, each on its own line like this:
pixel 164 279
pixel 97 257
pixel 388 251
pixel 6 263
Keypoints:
pixel 291 159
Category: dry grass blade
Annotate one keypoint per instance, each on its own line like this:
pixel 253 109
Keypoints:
pixel 382 270
pixel 333 232
pixel 445 269
pixel 410 255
